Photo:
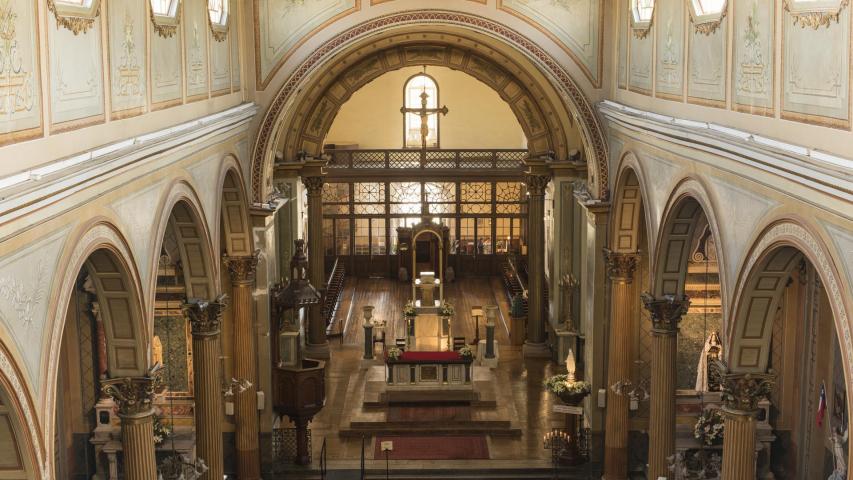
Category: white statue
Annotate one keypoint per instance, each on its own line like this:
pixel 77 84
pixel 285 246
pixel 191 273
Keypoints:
pixel 838 452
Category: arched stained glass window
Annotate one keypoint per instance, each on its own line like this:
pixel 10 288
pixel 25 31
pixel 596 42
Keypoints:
pixel 421 91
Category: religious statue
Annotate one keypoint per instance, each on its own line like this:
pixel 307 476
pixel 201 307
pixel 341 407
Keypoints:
pixel 838 453
pixel 712 351
pixel 568 283
pixel 424 113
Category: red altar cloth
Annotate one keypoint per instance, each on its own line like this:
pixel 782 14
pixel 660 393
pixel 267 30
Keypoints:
pixel 415 356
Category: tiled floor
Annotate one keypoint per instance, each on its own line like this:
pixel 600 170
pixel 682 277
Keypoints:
pixel 518 381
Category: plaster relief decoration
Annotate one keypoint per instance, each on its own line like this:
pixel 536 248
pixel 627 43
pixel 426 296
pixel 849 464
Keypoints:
pixel 235 48
pixel 165 16
pixel 670 48
pixel 815 13
pixel 752 57
pixel 284 24
pixel 19 86
pixel 574 24
pixel 815 69
pixel 640 65
pixel 196 43
pixel 127 54
pixel 76 80
pixel 706 68
pixel 77 16
pixel 659 186
pixel 166 74
pixel 25 292
pixel 707 15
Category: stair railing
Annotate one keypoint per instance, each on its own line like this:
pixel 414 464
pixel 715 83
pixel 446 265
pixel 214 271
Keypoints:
pixel 323 461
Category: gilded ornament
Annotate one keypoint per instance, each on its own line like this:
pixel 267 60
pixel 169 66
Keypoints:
pixel 621 265
pixel 313 184
pixel 167 28
pixel 536 183
pixel 205 317
pixel 706 25
pixel 134 396
pixel 219 32
pixel 741 392
pixel 242 268
pixel 74 22
pixel 815 17
pixel 666 311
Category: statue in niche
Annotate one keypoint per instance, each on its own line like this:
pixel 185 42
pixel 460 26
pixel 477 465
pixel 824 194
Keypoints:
pixel 838 440
pixel 568 283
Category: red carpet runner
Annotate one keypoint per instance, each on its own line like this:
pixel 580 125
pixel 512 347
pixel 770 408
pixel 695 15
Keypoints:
pixel 425 447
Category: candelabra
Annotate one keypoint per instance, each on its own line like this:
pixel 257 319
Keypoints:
pixel 558 442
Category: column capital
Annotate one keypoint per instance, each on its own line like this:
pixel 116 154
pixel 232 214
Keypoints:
pixel 741 392
pixel 536 183
pixel 621 265
pixel 205 317
pixel 242 268
pixel 665 311
pixel 134 396
pixel 314 184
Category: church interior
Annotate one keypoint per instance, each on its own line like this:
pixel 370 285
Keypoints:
pixel 411 239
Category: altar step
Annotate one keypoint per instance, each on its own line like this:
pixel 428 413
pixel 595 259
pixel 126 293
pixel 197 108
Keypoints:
pixel 472 427
pixel 395 473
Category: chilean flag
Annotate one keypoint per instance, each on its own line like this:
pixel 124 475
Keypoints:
pixel 821 406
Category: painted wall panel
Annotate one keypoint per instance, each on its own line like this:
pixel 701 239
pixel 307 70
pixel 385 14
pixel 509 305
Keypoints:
pixel 234 38
pixel 576 24
pixel 220 63
pixel 669 76
pixel 622 62
pixel 816 81
pixel 127 54
pixel 196 33
pixel 640 63
pixel 76 72
pixel 706 75
pixel 166 77
pixel 283 24
pixel 752 56
pixel 20 88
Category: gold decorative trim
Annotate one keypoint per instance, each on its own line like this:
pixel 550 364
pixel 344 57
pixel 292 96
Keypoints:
pixel 164 25
pixel 219 32
pixel 77 19
pixel 641 29
pixel 704 26
pixel 815 17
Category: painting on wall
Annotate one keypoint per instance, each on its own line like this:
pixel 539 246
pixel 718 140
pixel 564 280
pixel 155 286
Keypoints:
pixel 20 88
pixel 752 56
pixel 816 72
pixel 76 73
pixel 706 74
pixel 574 24
pixel 669 76
pixel 127 55
pixel 283 24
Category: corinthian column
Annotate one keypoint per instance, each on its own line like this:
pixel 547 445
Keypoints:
pixel 317 345
pixel 620 270
pixel 665 314
pixel 741 393
pixel 134 397
pixel 242 272
pixel 537 179
pixel 205 319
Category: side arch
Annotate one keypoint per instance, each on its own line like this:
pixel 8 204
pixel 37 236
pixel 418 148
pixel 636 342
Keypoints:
pixel 629 206
pixel 274 126
pixel 233 210
pixel 17 406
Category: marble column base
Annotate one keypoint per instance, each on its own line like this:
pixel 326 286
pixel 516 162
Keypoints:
pixel 317 351
pixel 535 350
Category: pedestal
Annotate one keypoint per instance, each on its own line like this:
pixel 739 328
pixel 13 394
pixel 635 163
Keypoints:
pixel 490 341
pixel 482 355
pixel 516 331
pixel 368 342
pixel 566 341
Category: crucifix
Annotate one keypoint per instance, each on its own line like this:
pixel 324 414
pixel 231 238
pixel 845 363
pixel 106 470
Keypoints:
pixel 424 113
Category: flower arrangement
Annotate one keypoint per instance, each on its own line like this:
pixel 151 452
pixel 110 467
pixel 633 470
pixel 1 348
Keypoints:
pixel 394 353
pixel 466 352
pixel 446 309
pixel 709 427
pixel 560 385
pixel 409 309
pixel 161 431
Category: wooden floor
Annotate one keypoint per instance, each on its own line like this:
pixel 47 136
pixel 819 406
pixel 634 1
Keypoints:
pixel 389 297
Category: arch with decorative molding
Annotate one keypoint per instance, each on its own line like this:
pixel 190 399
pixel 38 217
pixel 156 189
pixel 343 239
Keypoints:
pixel 19 417
pixel 630 213
pixel 325 64
pixel 233 204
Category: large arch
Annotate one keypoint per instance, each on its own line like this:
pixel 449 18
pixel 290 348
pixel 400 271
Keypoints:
pixel 540 71
pixel 18 408
pixel 123 304
pixel 629 207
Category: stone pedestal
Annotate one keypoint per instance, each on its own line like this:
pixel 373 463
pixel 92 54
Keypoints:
pixel 134 397
pixel 620 269
pixel 490 341
pixel 482 355
pixel 665 313
pixel 205 320
pixel 368 342
pixel 242 271
pixel 566 341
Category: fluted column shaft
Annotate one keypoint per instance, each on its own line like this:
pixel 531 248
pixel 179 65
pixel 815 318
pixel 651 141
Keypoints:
pixel 134 397
pixel 318 345
pixel 205 321
pixel 242 271
pixel 621 268
pixel 536 184
pixel 741 393
pixel 665 313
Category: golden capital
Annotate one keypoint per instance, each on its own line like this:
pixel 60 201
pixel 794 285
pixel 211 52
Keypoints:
pixel 205 317
pixel 741 392
pixel 134 396
pixel 313 184
pixel 536 183
pixel 242 268
pixel 665 311
pixel 621 265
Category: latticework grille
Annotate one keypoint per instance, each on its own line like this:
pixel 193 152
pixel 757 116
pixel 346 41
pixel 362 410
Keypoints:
pixel 284 446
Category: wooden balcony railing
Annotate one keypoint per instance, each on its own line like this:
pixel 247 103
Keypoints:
pixel 502 159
